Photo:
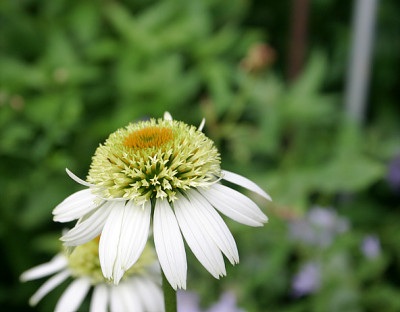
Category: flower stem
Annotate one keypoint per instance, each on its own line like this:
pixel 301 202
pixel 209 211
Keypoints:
pixel 169 295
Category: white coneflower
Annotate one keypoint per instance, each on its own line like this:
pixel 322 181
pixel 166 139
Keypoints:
pixel 168 171
pixel 139 290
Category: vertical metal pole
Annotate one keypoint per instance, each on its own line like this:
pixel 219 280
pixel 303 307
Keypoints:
pixel 360 58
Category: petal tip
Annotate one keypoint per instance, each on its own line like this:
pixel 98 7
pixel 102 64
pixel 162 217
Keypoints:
pixel 32 302
pixel 203 122
pixel 77 179
pixel 167 116
pixel 23 278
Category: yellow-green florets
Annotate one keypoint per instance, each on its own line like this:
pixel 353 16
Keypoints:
pixel 84 261
pixel 154 159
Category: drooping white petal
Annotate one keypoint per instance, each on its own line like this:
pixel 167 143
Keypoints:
pixel 77 179
pixel 203 122
pixel 54 265
pixel 244 182
pixel 149 293
pixel 73 296
pixel 234 205
pixel 123 239
pixel 75 206
pixel 90 227
pixel 169 245
pixel 212 222
pixel 109 239
pixel 48 286
pixel 134 234
pixel 99 300
pixel 202 245
pixel 167 116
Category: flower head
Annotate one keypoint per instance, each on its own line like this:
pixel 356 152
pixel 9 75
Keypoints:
pixel 138 291
pixel 169 172
pixel 153 159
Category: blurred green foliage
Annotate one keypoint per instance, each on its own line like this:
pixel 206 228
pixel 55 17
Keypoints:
pixel 71 72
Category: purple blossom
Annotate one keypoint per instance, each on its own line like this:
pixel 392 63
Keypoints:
pixel 189 302
pixel 393 176
pixel 371 246
pixel 319 227
pixel 307 280
pixel 226 303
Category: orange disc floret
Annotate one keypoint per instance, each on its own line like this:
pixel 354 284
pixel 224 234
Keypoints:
pixel 148 137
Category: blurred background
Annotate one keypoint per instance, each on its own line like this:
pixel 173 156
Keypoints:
pixel 285 102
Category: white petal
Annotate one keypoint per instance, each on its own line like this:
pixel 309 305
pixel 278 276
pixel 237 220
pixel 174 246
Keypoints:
pixel 99 299
pixel 169 245
pixel 124 299
pixel 54 265
pixel 73 296
pixel 234 205
pixel 77 179
pixel 90 227
pixel 123 239
pixel 108 245
pixel 149 293
pixel 212 222
pixel 48 286
pixel 130 298
pixel 116 302
pixel 244 182
pixel 202 245
pixel 75 206
pixel 134 234
pixel 167 116
pixel 203 122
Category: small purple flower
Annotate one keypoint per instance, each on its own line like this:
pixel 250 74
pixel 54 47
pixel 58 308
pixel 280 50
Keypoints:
pixel 319 227
pixel 307 280
pixel 226 303
pixel 189 302
pixel 371 246
pixel 393 176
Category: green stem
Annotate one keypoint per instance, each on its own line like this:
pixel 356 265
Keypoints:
pixel 169 295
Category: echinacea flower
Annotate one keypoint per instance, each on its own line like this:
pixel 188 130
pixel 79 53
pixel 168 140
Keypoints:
pixel 139 290
pixel 167 171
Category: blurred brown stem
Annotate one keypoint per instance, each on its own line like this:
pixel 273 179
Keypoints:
pixel 298 37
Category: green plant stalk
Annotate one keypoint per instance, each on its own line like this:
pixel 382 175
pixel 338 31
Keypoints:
pixel 169 295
